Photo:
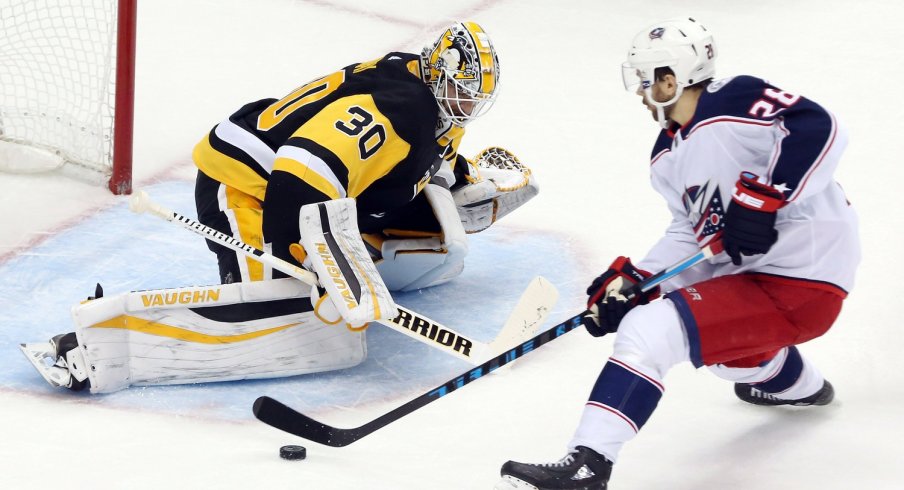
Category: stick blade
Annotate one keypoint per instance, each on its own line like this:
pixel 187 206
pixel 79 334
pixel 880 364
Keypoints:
pixel 276 414
pixel 529 314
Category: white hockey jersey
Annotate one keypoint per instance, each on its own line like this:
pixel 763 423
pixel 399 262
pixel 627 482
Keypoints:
pixel 744 123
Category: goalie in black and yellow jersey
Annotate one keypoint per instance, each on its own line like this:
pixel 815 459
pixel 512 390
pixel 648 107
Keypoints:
pixel 384 132
pixel 356 176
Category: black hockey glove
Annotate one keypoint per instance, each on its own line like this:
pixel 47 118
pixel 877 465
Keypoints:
pixel 750 219
pixel 607 303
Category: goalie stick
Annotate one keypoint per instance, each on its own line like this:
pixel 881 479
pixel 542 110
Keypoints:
pixel 276 414
pixel 535 303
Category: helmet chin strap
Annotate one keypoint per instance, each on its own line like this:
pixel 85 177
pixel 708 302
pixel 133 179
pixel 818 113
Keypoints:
pixel 660 106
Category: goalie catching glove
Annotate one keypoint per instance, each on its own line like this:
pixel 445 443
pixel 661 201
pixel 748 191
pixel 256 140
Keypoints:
pixel 498 183
pixel 608 303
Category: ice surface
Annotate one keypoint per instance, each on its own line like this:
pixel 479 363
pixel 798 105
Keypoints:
pixel 562 110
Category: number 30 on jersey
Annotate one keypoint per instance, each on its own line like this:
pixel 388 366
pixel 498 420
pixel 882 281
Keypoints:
pixel 372 139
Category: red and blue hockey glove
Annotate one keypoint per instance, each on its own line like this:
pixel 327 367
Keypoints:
pixel 607 303
pixel 750 219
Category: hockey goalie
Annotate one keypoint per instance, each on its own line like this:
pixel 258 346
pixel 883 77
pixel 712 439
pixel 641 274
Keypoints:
pixel 355 176
pixel 278 327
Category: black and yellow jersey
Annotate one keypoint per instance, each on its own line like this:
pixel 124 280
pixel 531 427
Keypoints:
pixel 367 131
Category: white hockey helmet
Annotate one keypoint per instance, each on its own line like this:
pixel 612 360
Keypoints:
pixel 681 44
pixel 462 70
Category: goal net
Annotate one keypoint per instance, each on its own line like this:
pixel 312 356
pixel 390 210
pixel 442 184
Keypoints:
pixel 66 85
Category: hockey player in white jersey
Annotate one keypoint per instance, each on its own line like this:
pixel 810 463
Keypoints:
pixel 745 162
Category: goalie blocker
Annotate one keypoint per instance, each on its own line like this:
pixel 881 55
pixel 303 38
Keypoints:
pixel 335 251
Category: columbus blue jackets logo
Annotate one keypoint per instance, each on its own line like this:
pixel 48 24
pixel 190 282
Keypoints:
pixel 705 210
pixel 657 33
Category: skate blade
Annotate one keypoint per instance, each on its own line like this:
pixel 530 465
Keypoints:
pixel 37 354
pixel 511 483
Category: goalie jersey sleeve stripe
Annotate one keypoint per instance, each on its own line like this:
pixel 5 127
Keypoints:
pixel 226 163
pixel 260 154
pixel 311 169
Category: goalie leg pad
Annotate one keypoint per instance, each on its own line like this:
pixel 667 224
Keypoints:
pixel 415 263
pixel 215 333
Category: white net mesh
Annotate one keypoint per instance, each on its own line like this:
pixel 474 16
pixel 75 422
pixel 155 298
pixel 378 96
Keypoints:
pixel 503 168
pixel 57 62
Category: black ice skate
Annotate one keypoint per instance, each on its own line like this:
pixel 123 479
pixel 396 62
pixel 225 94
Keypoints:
pixel 583 469
pixel 750 394
pixel 59 361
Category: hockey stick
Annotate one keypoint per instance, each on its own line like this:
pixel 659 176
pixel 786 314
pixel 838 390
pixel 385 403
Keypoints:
pixel 280 416
pixel 408 322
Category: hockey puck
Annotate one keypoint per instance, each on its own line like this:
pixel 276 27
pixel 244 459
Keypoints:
pixel 293 452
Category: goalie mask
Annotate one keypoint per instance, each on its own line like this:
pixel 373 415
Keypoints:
pixel 462 70
pixel 681 44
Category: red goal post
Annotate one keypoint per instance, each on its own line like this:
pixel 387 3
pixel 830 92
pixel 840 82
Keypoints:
pixel 67 85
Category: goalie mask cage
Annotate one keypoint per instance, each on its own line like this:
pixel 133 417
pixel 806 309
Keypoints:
pixel 67 70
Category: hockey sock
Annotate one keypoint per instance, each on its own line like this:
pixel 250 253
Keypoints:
pixel 621 402
pixel 797 378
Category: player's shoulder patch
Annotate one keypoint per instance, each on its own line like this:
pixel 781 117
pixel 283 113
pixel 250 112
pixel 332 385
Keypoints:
pixel 737 85
pixel 392 66
pixel 717 85
pixel 729 97
pixel 401 62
